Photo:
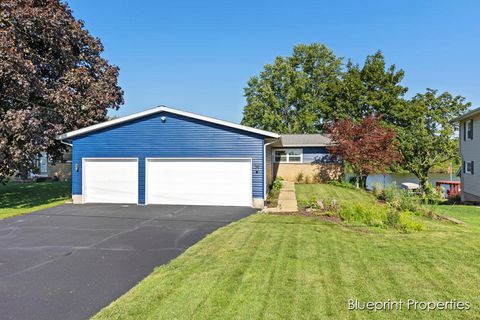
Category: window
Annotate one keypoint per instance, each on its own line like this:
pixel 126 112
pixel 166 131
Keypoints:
pixel 469 167
pixel 470 130
pixel 288 155
pixel 43 163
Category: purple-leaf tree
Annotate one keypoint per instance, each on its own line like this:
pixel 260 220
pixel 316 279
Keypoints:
pixel 52 80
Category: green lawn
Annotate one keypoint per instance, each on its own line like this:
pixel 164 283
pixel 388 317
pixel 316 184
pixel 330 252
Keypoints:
pixel 22 198
pixel 327 193
pixel 292 267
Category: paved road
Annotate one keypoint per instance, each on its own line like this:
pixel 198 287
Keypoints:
pixel 70 261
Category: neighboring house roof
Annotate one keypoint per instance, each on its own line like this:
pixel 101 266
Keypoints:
pixel 469 114
pixel 145 113
pixel 303 140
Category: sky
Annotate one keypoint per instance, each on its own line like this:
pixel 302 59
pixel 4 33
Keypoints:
pixel 198 55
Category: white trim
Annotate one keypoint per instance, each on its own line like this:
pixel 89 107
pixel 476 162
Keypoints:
pixel 288 158
pixel 110 158
pixel 199 158
pixel 164 109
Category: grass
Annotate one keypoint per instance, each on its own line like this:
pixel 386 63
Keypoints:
pixel 327 193
pixel 21 198
pixel 292 267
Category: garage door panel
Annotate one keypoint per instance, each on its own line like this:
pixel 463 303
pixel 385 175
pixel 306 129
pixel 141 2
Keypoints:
pixel 199 182
pixel 111 181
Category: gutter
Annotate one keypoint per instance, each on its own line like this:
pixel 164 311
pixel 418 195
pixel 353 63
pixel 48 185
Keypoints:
pixel 468 114
pixel 66 143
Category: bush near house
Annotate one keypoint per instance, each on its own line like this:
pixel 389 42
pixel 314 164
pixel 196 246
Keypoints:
pixel 272 199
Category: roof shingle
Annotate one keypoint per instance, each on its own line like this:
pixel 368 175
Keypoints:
pixel 303 140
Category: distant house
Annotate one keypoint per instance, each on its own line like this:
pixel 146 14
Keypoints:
pixel 470 151
pixel 169 156
pixel 61 170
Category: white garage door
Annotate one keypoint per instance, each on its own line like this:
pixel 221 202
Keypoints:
pixel 226 182
pixel 110 180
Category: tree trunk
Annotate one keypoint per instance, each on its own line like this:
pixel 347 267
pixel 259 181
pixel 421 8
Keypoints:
pixel 363 182
pixel 423 183
pixel 23 174
pixel 357 181
pixel 423 179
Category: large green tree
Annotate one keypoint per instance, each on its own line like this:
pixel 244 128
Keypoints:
pixel 293 95
pixel 52 79
pixel 302 92
pixel 373 88
pixel 428 139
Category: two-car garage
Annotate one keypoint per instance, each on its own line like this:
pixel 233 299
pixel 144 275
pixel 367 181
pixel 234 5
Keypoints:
pixel 225 182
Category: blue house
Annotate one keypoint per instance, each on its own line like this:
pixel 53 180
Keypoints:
pixel 168 156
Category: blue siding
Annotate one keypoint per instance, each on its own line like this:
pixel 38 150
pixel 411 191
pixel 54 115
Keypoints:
pixel 178 136
pixel 316 154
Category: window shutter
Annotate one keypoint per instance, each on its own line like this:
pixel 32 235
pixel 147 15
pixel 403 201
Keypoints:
pixel 464 130
pixel 473 166
pixel 471 130
pixel 464 167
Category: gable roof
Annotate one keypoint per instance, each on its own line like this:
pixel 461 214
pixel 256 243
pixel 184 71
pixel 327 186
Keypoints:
pixel 467 115
pixel 149 112
pixel 303 140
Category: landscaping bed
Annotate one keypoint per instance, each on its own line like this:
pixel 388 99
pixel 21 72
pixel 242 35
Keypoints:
pixel 358 207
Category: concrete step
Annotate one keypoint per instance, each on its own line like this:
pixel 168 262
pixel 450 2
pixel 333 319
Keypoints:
pixel 287 196
pixel 287 205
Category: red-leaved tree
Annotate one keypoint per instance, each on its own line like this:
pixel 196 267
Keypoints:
pixel 368 146
pixel 53 79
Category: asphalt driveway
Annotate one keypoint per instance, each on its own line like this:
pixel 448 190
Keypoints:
pixel 70 261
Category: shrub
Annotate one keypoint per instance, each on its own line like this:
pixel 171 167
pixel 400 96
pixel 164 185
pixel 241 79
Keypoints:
pixel 380 216
pixel 407 223
pixel 408 201
pixel 393 218
pixel 399 199
pixel 308 180
pixel 329 213
pixel 299 177
pixel 272 199
pixel 312 203
pixel 390 193
pixel 377 189
pixel 277 184
pixel 432 195
pixel 371 215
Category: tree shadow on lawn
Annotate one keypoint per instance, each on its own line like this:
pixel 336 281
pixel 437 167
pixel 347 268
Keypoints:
pixel 27 195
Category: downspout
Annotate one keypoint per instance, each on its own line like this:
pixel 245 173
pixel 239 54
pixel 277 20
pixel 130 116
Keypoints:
pixel 264 168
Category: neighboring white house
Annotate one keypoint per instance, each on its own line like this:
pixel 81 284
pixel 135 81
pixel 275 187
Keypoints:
pixel 470 150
